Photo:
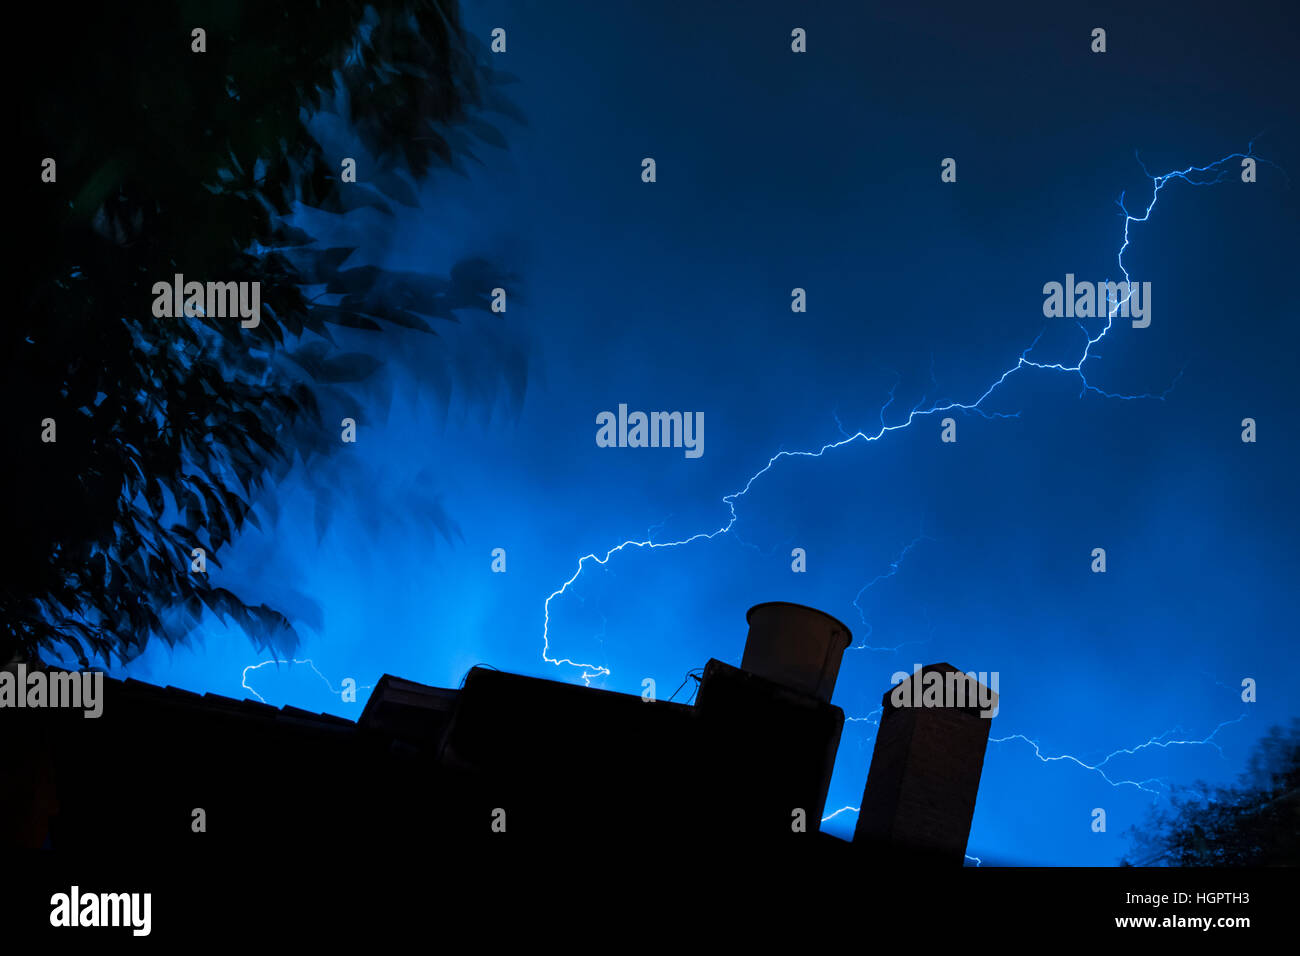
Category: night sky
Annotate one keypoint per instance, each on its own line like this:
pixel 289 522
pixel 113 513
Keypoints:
pixel 821 170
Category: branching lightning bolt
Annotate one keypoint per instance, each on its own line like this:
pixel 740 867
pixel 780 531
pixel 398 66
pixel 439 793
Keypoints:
pixel 893 569
pixel 307 660
pixel 1194 175
pixel 872 718
pixel 1157 741
pixel 1160 741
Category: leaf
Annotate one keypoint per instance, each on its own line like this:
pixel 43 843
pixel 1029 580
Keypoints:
pixel 318 265
pixel 286 235
pixel 345 317
pixel 487 133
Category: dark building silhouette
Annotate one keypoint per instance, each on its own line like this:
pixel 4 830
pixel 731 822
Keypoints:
pixel 423 767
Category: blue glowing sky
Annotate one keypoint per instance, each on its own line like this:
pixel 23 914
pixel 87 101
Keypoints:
pixel 821 171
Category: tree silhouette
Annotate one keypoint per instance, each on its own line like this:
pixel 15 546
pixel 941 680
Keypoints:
pixel 1255 823
pixel 174 161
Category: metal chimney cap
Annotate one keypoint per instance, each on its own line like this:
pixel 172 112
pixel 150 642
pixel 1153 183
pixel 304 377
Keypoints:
pixel 848 635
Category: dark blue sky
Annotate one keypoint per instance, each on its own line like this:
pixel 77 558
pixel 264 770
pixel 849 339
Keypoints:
pixel 821 171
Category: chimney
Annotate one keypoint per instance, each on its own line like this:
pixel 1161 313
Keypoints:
pixel 925 769
pixel 796 646
pixel 769 729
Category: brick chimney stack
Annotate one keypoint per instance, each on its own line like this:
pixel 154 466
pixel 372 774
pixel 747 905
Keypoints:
pixel 925 771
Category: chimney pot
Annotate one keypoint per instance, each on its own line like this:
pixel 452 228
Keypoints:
pixel 797 646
